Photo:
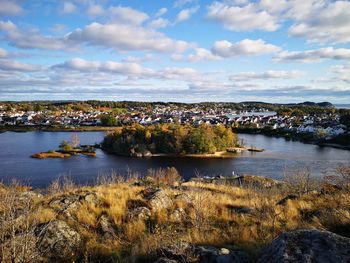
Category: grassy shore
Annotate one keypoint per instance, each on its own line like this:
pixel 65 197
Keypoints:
pixel 131 220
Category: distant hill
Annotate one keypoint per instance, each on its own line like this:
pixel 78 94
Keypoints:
pixel 305 103
pixel 320 104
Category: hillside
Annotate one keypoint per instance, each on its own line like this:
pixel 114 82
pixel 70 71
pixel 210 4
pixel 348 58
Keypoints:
pixel 161 219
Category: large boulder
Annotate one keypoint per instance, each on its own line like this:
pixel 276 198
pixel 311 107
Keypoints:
pixel 58 241
pixel 306 246
pixel 157 199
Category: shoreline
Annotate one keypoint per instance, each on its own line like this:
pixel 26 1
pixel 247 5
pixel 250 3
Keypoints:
pixel 291 137
pixel 55 128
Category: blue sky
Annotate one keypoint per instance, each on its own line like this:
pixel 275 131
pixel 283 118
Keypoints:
pixel 184 50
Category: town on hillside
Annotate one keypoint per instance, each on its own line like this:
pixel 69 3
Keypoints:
pixel 323 121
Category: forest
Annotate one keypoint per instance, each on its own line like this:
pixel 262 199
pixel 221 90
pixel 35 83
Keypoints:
pixel 169 139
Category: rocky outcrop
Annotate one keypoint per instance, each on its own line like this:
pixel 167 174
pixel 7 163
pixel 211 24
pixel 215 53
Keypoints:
pixel 140 213
pixel 67 203
pixel 185 252
pixel 58 241
pixel 208 254
pixel 179 215
pixel 306 246
pixel 106 227
pixel 157 199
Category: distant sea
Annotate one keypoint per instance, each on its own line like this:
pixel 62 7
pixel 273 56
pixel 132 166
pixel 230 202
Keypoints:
pixel 342 106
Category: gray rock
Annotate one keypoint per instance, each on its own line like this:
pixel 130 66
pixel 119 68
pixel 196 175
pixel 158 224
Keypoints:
pixel 178 215
pixel 209 254
pixel 58 241
pixel 306 246
pixel 232 209
pixel 140 213
pixel 157 199
pixel 105 225
pixel 184 198
pixel 165 260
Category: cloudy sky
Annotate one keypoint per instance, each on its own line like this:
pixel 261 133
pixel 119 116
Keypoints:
pixel 183 50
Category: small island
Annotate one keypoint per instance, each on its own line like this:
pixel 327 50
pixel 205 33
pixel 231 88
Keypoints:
pixel 68 149
pixel 173 140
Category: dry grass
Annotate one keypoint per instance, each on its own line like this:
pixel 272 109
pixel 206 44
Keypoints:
pixel 216 214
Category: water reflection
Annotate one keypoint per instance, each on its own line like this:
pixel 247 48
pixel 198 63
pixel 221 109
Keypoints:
pixel 280 155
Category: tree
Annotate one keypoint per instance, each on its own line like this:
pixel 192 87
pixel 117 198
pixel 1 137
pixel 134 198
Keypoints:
pixel 75 140
pixel 65 146
pixel 108 120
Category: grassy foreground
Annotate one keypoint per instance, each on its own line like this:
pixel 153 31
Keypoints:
pixel 131 220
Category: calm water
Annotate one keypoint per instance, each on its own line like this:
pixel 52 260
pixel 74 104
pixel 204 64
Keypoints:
pixel 280 156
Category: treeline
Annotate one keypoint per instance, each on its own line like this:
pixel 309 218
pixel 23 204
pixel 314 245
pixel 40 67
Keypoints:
pixel 169 139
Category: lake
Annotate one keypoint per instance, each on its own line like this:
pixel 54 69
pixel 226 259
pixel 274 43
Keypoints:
pixel 280 156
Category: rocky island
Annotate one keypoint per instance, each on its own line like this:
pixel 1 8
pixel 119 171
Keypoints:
pixel 68 149
pixel 203 141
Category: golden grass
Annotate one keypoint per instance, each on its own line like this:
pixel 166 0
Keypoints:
pixel 217 215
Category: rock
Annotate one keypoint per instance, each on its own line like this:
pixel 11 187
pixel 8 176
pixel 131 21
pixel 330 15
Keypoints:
pixel 185 198
pixel 146 154
pixel 68 203
pixel 91 198
pixel 105 226
pixel 140 213
pixel 65 201
pixel 157 199
pixel 239 209
pixel 285 199
pixel 177 252
pixel 58 241
pixel 256 181
pixel 209 254
pixel 30 195
pixel 165 260
pixel 306 246
pixel 178 215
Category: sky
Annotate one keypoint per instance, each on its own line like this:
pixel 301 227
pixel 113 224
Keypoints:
pixel 185 50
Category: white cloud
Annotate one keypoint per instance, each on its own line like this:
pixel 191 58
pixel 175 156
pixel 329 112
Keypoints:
pixel 127 15
pixel 127 38
pixel 159 23
pixel 342 72
pixel 3 53
pixel 161 11
pixel 10 65
pixel 107 66
pixel 200 55
pixel 312 56
pixel 132 59
pixel 8 7
pixel 180 3
pixel 119 14
pixel 95 10
pixel 227 49
pixel 68 8
pixel 322 21
pixel 185 14
pixel 29 40
pixel 242 18
pixel 271 74
pixel 180 73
